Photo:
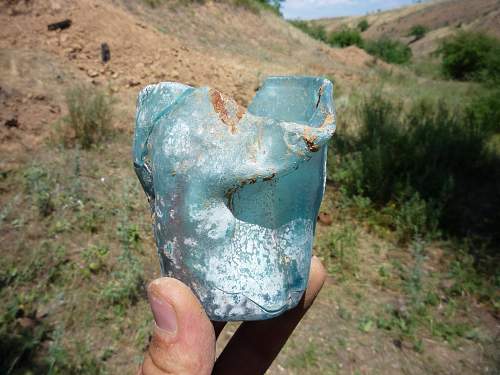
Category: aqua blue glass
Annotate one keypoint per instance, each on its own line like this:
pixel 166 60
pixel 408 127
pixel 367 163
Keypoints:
pixel 235 193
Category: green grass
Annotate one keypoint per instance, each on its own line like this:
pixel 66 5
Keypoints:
pixel 306 359
pixel 339 252
pixel 80 266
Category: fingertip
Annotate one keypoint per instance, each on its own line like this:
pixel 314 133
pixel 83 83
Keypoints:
pixel 318 270
pixel 317 277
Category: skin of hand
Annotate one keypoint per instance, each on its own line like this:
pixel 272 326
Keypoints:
pixel 183 341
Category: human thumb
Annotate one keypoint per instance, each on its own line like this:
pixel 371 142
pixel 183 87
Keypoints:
pixel 183 341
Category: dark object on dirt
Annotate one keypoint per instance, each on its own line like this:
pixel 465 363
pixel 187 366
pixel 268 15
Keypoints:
pixel 325 218
pixel 12 123
pixel 59 25
pixel 105 52
pixel 397 343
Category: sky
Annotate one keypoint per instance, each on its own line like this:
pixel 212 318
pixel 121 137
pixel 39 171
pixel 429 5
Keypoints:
pixel 308 9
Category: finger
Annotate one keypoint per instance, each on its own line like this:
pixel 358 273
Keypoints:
pixel 218 327
pixel 256 344
pixel 183 340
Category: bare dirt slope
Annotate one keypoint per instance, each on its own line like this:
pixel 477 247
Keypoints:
pixel 199 45
pixel 440 17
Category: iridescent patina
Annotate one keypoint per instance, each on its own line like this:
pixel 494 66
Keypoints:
pixel 235 194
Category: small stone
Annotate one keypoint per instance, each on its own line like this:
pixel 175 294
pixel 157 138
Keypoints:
pixel 92 73
pixel 55 109
pixel 76 48
pixel 133 82
pixel 42 312
pixel 39 97
pixel 400 308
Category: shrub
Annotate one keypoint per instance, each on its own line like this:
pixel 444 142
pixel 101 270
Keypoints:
pixel 418 31
pixel 430 163
pixel 391 51
pixel 485 110
pixel 471 56
pixel 345 37
pixel 89 115
pixel 316 31
pixel 363 25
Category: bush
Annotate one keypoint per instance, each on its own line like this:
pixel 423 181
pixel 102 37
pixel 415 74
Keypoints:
pixel 345 37
pixel 418 31
pixel 391 51
pixel 363 25
pixel 471 56
pixel 316 31
pixel 89 115
pixel 431 163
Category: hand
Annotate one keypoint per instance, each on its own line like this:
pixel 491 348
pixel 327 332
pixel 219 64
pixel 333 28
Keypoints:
pixel 184 338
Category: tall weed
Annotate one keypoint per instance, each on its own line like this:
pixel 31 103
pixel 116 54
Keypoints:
pixel 89 116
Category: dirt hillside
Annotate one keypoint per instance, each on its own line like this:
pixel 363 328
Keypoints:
pixel 442 18
pixel 198 44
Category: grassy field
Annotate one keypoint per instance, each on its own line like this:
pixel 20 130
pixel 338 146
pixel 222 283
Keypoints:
pixel 80 254
pixel 412 251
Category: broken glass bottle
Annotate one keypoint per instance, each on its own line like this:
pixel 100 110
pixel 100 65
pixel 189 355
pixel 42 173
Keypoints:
pixel 235 193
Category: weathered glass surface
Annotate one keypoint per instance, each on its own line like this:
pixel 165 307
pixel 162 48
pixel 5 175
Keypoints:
pixel 235 193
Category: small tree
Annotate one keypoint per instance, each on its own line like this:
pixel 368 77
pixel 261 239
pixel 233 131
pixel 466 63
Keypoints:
pixel 363 25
